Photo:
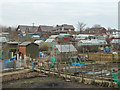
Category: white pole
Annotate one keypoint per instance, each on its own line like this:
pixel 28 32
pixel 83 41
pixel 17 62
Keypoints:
pixel 20 60
pixel 11 54
pixel 25 61
pixel 17 56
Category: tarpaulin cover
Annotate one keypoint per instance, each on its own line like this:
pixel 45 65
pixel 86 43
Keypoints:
pixel 116 77
pixel 78 64
pixel 12 59
pixel 39 55
pixel 52 46
pixel 6 60
pixel 52 59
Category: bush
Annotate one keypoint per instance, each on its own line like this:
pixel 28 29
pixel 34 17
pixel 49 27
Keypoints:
pixel 88 48
pixel 44 47
pixel 12 50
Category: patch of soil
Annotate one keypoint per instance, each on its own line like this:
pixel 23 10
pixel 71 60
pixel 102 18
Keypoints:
pixel 45 82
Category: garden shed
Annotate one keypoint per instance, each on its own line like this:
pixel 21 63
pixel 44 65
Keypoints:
pixel 29 49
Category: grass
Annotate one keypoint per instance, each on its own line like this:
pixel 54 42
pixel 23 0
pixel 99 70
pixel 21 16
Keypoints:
pixel 27 82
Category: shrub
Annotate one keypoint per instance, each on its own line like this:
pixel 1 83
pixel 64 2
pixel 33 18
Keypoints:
pixel 12 50
pixel 44 47
pixel 88 48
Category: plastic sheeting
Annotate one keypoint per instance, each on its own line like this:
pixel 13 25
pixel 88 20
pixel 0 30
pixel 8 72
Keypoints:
pixel 52 59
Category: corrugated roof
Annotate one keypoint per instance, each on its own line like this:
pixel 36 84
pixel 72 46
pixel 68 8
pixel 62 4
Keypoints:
pixel 66 48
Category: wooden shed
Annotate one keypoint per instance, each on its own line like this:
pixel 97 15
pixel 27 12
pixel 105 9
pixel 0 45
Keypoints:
pixel 29 49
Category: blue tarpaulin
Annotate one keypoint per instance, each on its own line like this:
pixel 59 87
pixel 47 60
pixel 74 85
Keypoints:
pixel 78 64
pixel 42 38
pixel 107 49
pixel 6 60
pixel 12 59
pixel 39 54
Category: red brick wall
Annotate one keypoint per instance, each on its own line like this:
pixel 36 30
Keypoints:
pixel 22 50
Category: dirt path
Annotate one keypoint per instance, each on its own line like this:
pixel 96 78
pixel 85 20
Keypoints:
pixel 15 72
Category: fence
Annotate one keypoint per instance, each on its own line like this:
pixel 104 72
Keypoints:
pixel 12 64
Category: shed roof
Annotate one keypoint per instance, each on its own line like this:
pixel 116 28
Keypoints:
pixel 61 35
pixel 25 43
pixel 12 42
pixel 49 40
pixel 66 48
pixel 38 41
pixel 53 36
pixel 3 39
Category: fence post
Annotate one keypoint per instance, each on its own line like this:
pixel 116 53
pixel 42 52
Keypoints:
pixel 25 61
pixel 93 73
pixel 11 54
pixel 17 60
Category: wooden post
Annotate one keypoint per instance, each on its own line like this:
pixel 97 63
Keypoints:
pixel 65 71
pixel 93 73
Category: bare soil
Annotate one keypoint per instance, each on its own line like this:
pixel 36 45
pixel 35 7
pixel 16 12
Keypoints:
pixel 45 82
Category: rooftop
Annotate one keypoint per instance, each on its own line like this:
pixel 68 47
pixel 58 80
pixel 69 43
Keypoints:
pixel 66 48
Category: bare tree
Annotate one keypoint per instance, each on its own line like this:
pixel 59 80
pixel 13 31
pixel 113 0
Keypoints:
pixel 96 26
pixel 81 26
pixel 109 28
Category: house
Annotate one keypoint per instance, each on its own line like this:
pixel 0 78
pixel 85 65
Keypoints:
pixel 44 28
pixel 29 49
pixel 112 32
pixel 27 29
pixel 65 28
pixel 96 31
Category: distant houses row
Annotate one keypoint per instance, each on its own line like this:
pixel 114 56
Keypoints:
pixel 65 28
pixel 47 29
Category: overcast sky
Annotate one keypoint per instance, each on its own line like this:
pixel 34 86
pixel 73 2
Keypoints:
pixel 52 12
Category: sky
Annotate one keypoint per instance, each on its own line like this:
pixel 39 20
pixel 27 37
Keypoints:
pixel 53 12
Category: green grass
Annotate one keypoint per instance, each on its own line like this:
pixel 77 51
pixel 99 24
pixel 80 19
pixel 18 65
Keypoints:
pixel 27 82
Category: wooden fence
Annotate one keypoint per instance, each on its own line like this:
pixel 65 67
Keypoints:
pixel 102 56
